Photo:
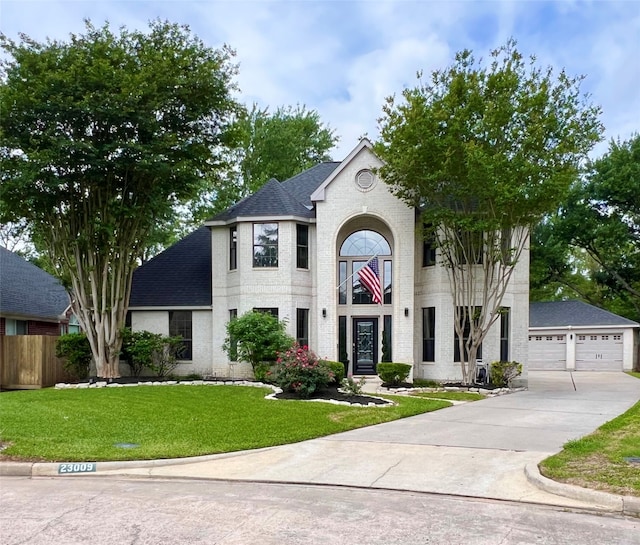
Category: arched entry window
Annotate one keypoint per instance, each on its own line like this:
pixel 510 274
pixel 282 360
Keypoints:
pixel 356 250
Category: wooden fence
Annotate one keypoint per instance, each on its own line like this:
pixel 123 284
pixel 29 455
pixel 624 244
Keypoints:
pixel 29 362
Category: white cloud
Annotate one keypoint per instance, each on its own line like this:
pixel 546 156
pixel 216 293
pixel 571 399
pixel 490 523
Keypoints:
pixel 343 58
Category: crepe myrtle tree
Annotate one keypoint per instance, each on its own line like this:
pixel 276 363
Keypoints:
pixel 483 152
pixel 100 137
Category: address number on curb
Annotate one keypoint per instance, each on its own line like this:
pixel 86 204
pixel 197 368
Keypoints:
pixel 84 467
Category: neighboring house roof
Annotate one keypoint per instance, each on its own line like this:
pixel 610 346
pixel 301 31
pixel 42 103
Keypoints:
pixel 180 276
pixel 575 314
pixel 278 199
pixel 28 291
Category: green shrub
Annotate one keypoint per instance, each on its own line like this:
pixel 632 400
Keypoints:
pixel 154 351
pixel 503 372
pixel 76 350
pixel 337 368
pixel 351 387
pixel 262 371
pixel 300 371
pixel 256 337
pixel 393 373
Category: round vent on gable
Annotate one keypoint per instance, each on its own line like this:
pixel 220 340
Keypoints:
pixel 365 180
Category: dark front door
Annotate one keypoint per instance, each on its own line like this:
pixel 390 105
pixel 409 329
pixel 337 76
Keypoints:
pixel 365 346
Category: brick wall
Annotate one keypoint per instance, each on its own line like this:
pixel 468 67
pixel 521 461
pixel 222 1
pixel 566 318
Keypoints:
pixel 42 328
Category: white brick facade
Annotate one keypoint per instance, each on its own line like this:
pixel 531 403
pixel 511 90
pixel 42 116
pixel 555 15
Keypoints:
pixel 342 208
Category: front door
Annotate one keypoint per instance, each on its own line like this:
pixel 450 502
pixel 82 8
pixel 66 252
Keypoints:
pixel 365 346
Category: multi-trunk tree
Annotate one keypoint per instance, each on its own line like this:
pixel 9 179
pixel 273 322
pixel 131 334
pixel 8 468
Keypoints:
pixel 483 152
pixel 100 137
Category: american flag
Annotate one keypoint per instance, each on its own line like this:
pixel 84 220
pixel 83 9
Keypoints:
pixel 370 278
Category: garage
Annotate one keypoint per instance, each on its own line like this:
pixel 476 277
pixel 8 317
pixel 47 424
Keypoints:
pixel 548 352
pixel 576 336
pixel 598 352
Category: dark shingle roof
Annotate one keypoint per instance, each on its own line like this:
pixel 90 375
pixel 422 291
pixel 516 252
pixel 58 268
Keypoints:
pixel 179 276
pixel 289 198
pixel 304 184
pixel 27 290
pixel 573 313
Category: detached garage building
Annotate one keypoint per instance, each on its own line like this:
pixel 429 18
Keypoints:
pixel 576 336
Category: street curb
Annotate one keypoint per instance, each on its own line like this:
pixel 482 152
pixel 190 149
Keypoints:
pixel 625 505
pixel 15 469
pixel 51 469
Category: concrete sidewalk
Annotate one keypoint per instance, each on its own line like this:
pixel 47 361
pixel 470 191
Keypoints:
pixel 478 449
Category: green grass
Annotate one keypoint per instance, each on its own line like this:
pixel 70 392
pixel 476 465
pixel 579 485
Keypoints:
pixel 172 421
pixel 634 373
pixel 454 396
pixel 597 460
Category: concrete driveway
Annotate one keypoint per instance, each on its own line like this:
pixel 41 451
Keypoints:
pixel 477 449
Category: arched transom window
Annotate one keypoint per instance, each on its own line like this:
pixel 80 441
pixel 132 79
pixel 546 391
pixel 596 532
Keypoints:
pixel 365 243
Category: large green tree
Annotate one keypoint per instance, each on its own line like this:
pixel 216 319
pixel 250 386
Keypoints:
pixel 269 145
pixel 483 152
pixel 600 219
pixel 100 137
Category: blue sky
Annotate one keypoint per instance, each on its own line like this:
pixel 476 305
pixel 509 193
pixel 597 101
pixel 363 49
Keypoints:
pixel 343 58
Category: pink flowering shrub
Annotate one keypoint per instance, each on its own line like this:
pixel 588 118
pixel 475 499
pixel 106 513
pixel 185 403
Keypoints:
pixel 299 370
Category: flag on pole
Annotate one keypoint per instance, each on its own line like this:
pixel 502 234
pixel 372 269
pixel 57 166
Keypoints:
pixel 370 277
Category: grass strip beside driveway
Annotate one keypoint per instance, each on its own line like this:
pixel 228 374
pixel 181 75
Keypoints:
pixel 172 421
pixel 597 460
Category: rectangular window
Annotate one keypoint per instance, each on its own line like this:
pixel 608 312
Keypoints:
pixel 466 330
pixel 429 334
pixel 388 275
pixel 302 246
pixel 302 326
pixel 268 310
pixel 233 342
pixel 180 325
pixel 506 250
pixel 428 247
pixel 342 293
pixel 15 327
pixel 343 355
pixel 233 247
pixel 470 247
pixel 74 325
pixel 505 319
pixel 386 339
pixel 265 244
pixel 360 294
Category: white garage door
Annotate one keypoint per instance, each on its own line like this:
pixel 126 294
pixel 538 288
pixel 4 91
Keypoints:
pixel 548 352
pixel 599 352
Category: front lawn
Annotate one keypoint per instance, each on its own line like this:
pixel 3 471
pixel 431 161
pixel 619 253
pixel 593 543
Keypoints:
pixel 172 421
pixel 598 460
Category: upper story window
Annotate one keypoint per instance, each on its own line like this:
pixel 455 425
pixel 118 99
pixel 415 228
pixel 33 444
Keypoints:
pixel 233 247
pixel 265 244
pixel 365 243
pixel 428 247
pixel 302 246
